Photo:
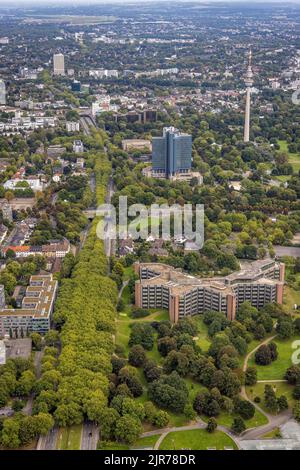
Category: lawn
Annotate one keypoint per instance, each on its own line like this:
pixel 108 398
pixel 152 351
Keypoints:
pixel 128 272
pixel 291 297
pixel 202 337
pixel 112 446
pixel 148 441
pixel 275 434
pixel 294 158
pixel 280 388
pixel 197 439
pixel 226 419
pixel 69 438
pixel 123 329
pixel 277 369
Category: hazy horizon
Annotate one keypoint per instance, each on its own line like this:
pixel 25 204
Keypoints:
pixel 89 2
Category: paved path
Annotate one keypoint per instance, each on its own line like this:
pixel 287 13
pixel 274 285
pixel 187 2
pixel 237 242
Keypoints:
pixel 243 390
pixel 124 284
pixel 198 425
pixel 27 410
pixel 270 381
pixel 274 421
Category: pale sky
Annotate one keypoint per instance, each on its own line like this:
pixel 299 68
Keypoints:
pixel 89 2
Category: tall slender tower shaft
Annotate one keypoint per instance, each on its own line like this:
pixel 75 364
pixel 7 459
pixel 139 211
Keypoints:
pixel 248 82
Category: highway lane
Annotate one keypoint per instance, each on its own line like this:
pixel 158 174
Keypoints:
pixel 49 441
pixel 90 436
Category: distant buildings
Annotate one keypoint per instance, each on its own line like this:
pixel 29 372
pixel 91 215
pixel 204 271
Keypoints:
pixel 22 183
pixel 2 92
pixel 3 232
pixel 72 126
pixel 2 353
pixel 130 145
pixel 103 73
pixel 36 310
pixel 6 209
pixel 58 64
pixel 162 286
pixel 2 296
pixel 78 146
pixel 76 86
pixel 102 104
pixel 54 249
pixel 148 115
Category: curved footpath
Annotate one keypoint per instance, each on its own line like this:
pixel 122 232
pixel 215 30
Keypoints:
pixel 274 421
pixel 198 425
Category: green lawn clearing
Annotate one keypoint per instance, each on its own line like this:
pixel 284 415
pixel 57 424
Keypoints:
pixel 197 439
pixel 280 388
pixel 148 441
pixel 277 369
pixel 226 419
pixel 69 438
pixel 294 158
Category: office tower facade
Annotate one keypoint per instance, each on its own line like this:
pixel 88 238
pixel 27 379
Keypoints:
pixel 172 153
pixel 248 83
pixel 58 64
pixel 2 93
pixel 76 86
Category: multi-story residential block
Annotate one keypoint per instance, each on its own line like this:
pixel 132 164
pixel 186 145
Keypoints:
pixel 72 126
pixel 6 209
pixel 55 249
pixel 2 296
pixel 78 146
pixel 58 64
pixel 162 286
pixel 36 311
pixel 2 93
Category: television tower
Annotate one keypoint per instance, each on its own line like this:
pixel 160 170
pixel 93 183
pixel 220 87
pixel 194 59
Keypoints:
pixel 249 83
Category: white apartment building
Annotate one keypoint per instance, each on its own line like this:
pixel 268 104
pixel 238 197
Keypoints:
pixel 58 64
pixel 72 126
pixel 2 93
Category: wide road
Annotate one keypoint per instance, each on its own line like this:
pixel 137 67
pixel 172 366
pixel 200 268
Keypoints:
pixel 48 442
pixel 89 436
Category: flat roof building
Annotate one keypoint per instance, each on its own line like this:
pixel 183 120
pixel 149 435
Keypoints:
pixel 36 310
pixel 172 153
pixel 2 92
pixel 58 64
pixel 162 286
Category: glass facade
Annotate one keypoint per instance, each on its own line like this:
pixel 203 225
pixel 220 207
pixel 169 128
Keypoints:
pixel 172 153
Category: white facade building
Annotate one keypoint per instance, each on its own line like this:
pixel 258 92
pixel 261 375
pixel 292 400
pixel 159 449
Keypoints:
pixel 2 353
pixel 2 92
pixel 72 126
pixel 58 64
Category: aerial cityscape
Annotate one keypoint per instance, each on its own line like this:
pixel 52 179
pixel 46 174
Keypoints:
pixel 175 333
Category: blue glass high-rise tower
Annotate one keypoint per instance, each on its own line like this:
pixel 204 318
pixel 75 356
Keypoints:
pixel 172 153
